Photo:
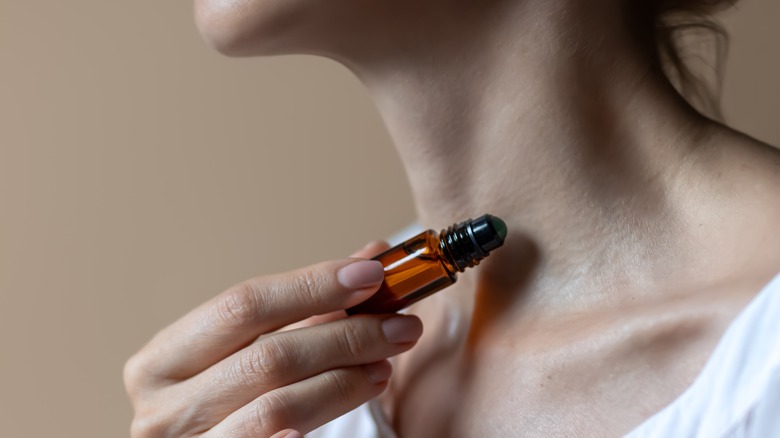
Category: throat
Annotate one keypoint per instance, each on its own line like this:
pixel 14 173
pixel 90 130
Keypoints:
pixel 558 123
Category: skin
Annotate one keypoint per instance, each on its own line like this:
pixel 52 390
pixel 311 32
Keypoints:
pixel 639 229
pixel 255 359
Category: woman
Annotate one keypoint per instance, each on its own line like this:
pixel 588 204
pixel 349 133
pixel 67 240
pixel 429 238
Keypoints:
pixel 639 230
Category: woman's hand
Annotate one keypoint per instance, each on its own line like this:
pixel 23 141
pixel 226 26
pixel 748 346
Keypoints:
pixel 255 360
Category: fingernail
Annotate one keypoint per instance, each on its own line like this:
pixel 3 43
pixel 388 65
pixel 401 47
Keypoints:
pixel 361 275
pixel 294 434
pixel 378 372
pixel 401 329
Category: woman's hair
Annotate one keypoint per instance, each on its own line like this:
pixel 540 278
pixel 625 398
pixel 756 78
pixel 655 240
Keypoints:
pixel 691 49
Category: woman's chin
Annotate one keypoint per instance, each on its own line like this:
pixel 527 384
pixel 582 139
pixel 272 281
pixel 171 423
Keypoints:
pixel 246 27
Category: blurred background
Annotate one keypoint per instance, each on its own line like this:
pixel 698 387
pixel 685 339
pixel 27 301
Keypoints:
pixel 141 173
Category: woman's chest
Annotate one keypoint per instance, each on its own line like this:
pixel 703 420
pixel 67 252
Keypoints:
pixel 590 378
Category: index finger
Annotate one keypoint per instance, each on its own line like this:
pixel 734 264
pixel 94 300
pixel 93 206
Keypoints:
pixel 236 317
pixel 370 250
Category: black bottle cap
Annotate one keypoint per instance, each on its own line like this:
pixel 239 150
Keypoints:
pixel 487 232
pixel 468 242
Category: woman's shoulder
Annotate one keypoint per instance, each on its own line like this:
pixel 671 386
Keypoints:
pixel 741 227
pixel 738 391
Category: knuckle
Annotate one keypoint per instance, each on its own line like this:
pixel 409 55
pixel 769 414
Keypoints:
pixel 268 414
pixel 263 364
pixel 240 305
pixel 309 285
pixel 160 414
pixel 134 374
pixel 351 342
pixel 148 426
pixel 341 385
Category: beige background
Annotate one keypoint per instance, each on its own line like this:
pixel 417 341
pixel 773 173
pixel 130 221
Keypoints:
pixel 140 174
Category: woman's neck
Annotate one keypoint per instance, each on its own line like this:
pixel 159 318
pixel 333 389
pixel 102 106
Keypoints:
pixel 552 119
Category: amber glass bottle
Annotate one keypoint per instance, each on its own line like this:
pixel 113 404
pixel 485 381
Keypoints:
pixel 430 261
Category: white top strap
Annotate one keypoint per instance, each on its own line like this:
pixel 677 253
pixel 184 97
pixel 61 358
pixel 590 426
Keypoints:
pixel 737 394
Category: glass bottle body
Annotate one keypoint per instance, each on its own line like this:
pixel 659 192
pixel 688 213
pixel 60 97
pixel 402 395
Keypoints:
pixel 430 261
pixel 413 270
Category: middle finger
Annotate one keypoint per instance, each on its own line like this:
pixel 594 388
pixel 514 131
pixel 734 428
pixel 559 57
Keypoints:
pixel 284 358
